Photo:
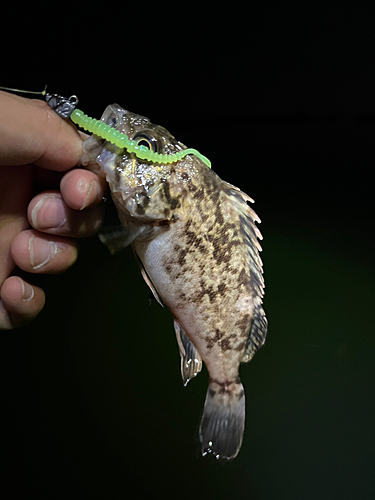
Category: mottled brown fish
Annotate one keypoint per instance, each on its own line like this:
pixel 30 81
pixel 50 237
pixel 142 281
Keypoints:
pixel 195 238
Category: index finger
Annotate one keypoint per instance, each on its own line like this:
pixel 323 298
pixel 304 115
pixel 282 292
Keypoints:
pixel 31 132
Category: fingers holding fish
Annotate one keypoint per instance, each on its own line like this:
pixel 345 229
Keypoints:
pixel 20 302
pixel 82 189
pixel 39 253
pixel 49 213
pixel 51 249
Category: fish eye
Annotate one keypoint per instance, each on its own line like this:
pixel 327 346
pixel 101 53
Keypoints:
pixel 146 141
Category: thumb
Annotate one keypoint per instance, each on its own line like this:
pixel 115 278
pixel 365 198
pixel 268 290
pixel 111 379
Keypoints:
pixel 31 132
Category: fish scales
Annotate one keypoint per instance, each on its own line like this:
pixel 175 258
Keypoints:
pixel 195 239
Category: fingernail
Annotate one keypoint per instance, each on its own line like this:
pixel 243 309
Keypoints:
pixel 42 251
pixel 48 212
pixel 27 291
pixel 93 189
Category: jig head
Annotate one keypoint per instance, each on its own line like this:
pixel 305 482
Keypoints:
pixel 63 106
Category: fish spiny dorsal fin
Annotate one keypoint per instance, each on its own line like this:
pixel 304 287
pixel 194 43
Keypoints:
pixel 251 234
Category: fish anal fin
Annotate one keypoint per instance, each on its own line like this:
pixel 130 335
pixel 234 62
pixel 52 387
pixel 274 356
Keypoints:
pixel 191 361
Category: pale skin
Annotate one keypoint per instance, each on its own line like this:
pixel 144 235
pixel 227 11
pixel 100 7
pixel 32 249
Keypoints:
pixel 39 150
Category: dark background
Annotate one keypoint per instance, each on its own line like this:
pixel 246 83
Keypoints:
pixel 280 97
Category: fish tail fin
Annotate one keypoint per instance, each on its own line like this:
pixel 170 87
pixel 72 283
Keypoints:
pixel 223 420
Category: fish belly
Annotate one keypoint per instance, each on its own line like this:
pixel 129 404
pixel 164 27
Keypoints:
pixel 209 325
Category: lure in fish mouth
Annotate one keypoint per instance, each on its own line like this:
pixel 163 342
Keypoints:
pixel 196 242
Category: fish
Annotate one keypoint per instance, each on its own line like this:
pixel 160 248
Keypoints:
pixel 197 244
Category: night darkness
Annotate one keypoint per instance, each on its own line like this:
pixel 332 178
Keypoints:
pixel 280 97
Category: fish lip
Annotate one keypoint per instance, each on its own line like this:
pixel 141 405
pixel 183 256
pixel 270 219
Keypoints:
pixel 124 195
pixel 130 191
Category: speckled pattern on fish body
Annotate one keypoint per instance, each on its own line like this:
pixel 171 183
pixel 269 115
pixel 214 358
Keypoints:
pixel 196 241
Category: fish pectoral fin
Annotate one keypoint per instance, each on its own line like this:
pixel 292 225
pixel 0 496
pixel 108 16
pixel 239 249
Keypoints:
pixel 191 361
pixel 119 237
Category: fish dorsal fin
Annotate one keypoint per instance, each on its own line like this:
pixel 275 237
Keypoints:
pixel 258 332
pixel 191 361
pixel 251 234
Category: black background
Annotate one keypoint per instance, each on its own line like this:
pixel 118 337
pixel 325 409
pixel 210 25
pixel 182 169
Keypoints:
pixel 280 97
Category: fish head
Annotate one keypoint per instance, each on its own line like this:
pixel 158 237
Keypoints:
pixel 133 180
pixel 115 161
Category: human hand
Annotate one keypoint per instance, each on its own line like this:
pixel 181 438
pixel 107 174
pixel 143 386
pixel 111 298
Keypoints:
pixel 38 148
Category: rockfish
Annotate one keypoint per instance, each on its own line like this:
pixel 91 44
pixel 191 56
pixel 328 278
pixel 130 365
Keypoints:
pixel 196 242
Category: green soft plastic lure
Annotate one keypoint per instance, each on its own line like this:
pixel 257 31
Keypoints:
pixel 66 108
pixel 113 136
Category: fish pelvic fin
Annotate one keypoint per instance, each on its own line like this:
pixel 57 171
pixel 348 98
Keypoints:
pixel 147 279
pixel 223 421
